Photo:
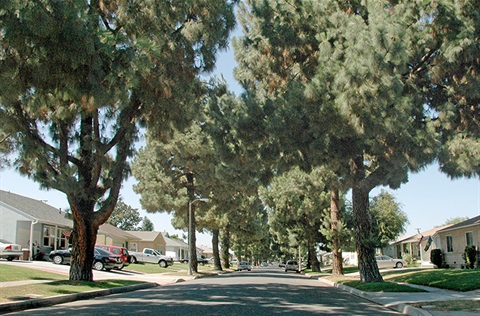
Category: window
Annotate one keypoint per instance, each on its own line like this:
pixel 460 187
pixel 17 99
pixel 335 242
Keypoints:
pixel 469 236
pixel 449 244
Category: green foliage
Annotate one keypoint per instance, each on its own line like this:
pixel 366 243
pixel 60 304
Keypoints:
pixel 470 256
pixel 436 257
pixel 453 221
pixel 125 217
pixel 408 259
pixel 388 219
pixel 147 225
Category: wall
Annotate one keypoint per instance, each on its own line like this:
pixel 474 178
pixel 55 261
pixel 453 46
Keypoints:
pixel 455 259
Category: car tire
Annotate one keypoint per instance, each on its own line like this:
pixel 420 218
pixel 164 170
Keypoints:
pixel 121 267
pixel 57 259
pixel 162 264
pixel 98 265
pixel 133 259
pixel 399 265
pixel 10 258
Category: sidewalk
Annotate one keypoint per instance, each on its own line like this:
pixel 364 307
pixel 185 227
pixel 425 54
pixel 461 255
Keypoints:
pixel 400 301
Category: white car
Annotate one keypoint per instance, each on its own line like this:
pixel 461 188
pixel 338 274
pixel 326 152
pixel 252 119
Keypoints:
pixel 244 266
pixel 389 262
pixel 10 250
pixel 291 265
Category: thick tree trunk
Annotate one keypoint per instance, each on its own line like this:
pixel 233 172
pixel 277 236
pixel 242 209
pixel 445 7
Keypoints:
pixel 226 248
pixel 367 265
pixel 84 236
pixel 312 258
pixel 335 218
pixel 216 252
pixel 193 242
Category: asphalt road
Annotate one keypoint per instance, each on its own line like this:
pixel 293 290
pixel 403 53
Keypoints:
pixel 265 291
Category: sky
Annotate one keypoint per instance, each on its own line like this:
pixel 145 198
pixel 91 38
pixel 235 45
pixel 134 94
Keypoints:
pixel 429 198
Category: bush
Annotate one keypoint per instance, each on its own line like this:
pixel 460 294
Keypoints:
pixel 470 256
pixel 436 257
pixel 408 259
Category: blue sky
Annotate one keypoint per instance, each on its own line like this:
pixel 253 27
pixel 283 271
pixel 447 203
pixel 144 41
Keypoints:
pixel 428 199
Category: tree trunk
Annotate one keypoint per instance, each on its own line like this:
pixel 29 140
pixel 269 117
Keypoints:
pixel 193 241
pixel 216 252
pixel 335 218
pixel 312 258
pixel 84 236
pixel 367 265
pixel 226 248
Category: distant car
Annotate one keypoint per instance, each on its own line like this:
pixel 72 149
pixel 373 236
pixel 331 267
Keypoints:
pixel 102 259
pixel 264 264
pixel 281 264
pixel 119 251
pixel 389 262
pixel 291 265
pixel 10 250
pixel 243 265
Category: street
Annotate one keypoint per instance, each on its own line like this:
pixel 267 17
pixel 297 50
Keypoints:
pixel 262 291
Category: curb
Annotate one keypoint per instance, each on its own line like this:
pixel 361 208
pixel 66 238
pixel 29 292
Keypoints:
pixel 60 299
pixel 402 308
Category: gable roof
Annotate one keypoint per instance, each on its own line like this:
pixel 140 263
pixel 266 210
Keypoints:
pixel 145 235
pixel 170 242
pixel 35 209
pixel 113 231
pixel 466 223
pixel 425 234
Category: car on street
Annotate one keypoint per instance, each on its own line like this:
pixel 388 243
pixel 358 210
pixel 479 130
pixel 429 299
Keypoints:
pixel 384 261
pixel 120 251
pixel 103 260
pixel 9 250
pixel 291 265
pixel 243 265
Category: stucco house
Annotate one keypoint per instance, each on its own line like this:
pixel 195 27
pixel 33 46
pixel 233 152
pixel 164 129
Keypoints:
pixel 148 239
pixel 34 224
pixel 114 236
pixel 175 248
pixel 453 240
pixel 418 245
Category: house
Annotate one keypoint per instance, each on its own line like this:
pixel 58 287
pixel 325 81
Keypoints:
pixel 418 246
pixel 175 248
pixel 205 251
pixel 453 240
pixel 34 224
pixel 114 236
pixel 148 239
pixel 23 219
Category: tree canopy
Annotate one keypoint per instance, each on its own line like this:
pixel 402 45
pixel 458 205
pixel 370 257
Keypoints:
pixel 80 77
pixel 124 216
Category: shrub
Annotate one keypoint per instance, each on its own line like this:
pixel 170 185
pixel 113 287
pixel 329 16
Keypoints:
pixel 470 256
pixel 436 257
pixel 408 259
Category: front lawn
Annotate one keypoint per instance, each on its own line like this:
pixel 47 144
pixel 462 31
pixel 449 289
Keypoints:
pixel 9 273
pixel 374 286
pixel 449 279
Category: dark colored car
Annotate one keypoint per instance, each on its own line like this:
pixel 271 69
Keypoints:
pixel 102 259
pixel 120 251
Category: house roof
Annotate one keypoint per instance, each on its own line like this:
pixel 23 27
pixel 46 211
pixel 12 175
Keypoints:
pixel 416 237
pixel 170 242
pixel 35 209
pixel 145 235
pixel 113 231
pixel 466 223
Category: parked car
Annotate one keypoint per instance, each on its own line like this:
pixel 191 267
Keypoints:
pixel 119 251
pixel 149 255
pixel 10 250
pixel 389 262
pixel 291 265
pixel 102 259
pixel 243 265
pixel 281 264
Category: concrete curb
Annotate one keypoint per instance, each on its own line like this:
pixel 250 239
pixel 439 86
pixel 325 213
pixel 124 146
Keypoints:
pixel 60 299
pixel 402 308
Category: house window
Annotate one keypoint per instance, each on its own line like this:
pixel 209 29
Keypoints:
pixel 449 244
pixel 469 236
pixel 49 236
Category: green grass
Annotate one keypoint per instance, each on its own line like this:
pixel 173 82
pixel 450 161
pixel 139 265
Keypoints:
pixel 10 273
pixel 176 269
pixel 453 305
pixel 354 282
pixel 449 279
pixel 54 288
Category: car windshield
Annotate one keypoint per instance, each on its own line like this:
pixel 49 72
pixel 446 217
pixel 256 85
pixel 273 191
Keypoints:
pixel 103 252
